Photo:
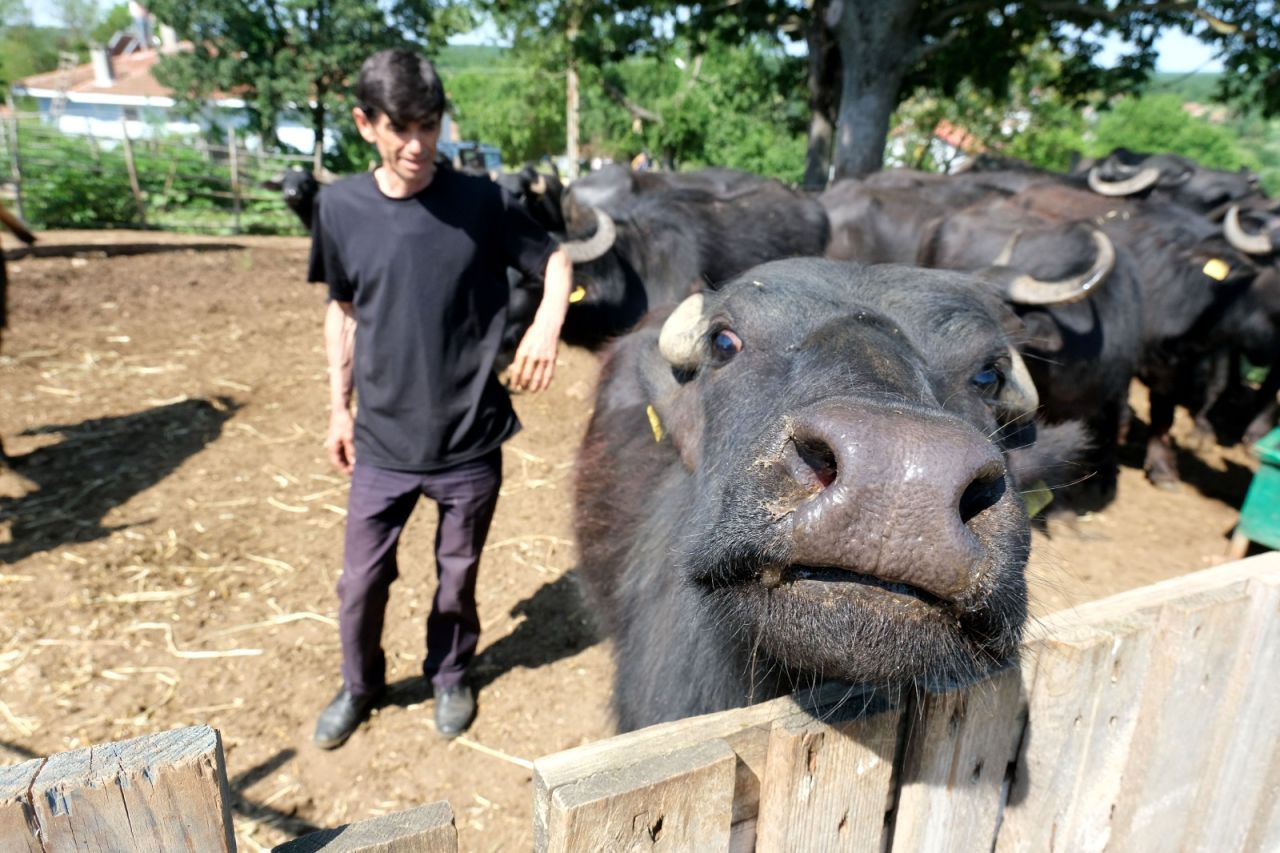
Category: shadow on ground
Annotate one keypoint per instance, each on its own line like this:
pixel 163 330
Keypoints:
pixel 555 626
pixel 109 250
pixel 99 465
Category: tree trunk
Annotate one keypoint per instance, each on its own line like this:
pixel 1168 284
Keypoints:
pixel 877 47
pixel 824 96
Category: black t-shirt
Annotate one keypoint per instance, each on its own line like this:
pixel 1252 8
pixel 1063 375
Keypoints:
pixel 427 277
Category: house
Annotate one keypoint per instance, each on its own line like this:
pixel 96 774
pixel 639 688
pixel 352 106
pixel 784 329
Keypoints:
pixel 118 89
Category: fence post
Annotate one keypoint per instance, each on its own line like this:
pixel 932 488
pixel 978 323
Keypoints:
pixel 15 163
pixel 160 792
pixel 133 172
pixel 235 181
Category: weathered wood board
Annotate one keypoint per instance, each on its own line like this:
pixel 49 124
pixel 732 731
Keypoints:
pixel 426 829
pixel 828 784
pixel 164 792
pixel 682 800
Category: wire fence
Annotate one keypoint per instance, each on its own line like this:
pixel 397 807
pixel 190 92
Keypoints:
pixel 58 179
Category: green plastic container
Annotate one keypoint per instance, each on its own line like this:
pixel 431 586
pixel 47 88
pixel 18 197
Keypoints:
pixel 1260 515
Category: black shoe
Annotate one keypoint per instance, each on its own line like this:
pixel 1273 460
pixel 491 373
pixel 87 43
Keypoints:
pixel 342 717
pixel 455 706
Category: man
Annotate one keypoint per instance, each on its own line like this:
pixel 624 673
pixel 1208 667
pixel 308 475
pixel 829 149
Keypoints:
pixel 415 256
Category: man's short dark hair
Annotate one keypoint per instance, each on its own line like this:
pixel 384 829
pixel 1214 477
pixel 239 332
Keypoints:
pixel 402 84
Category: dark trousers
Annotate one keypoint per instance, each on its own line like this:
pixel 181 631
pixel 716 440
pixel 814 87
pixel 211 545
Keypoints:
pixel 377 511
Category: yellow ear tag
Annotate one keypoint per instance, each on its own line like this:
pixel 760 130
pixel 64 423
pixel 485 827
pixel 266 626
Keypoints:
pixel 1217 269
pixel 655 423
pixel 579 293
pixel 1037 498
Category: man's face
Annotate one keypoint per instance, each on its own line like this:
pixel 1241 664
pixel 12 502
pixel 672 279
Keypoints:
pixel 409 151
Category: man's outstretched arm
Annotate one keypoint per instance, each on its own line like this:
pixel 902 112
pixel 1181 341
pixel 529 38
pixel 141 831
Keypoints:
pixel 535 359
pixel 340 351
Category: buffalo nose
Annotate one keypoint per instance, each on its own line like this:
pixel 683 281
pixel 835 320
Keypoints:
pixel 899 497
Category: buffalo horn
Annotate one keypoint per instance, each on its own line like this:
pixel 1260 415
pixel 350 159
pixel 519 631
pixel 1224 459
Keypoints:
pixel 1006 254
pixel 680 340
pixel 1128 186
pixel 581 251
pixel 1019 394
pixel 1252 244
pixel 324 177
pixel 1024 289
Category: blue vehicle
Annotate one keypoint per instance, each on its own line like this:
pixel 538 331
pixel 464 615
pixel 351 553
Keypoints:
pixel 472 155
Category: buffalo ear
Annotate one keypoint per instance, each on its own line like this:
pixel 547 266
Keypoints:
pixel 1039 331
pixel 674 410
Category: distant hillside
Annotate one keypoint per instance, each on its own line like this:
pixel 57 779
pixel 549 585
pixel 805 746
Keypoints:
pixel 1200 87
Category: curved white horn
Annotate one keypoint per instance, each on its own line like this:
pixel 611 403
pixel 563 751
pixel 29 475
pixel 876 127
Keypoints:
pixel 1250 244
pixel 1024 289
pixel 1129 186
pixel 681 338
pixel 595 246
pixel 1019 394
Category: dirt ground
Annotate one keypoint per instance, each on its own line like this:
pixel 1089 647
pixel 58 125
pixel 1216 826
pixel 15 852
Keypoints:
pixel 170 535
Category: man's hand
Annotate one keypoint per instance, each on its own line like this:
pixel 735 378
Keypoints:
pixel 535 360
pixel 341 442
pixel 17 226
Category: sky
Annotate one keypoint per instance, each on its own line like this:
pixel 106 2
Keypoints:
pixel 1178 52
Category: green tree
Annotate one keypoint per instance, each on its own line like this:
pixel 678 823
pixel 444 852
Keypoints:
pixel 299 54
pixel 517 108
pixel 1247 36
pixel 79 17
pixel 116 19
pixel 888 50
pixel 13 13
pixel 1159 123
pixel 737 106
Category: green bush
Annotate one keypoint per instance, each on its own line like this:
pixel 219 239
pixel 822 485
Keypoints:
pixel 71 182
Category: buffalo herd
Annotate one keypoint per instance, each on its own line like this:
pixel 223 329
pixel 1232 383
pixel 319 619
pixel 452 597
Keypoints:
pixel 819 414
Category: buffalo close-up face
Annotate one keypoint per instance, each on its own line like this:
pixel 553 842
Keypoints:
pixel 801 476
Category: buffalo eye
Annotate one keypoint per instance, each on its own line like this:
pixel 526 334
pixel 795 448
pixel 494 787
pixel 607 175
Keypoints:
pixel 987 380
pixel 725 345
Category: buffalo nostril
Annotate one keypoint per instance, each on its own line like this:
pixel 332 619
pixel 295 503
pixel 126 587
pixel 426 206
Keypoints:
pixel 819 457
pixel 983 492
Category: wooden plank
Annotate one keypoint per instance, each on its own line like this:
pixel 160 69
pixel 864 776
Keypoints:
pixel 17 833
pixel 1236 790
pixel 1083 689
pixel 682 800
pixel 165 792
pixel 1264 833
pixel 828 783
pixel 1183 699
pixel 953 771
pixel 1226 576
pixel 746 730
pixel 426 829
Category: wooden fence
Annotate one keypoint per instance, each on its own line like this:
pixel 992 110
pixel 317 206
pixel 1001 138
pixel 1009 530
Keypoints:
pixel 1145 721
pixel 187 185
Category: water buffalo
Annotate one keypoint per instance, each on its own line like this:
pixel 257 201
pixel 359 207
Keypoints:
pixel 1082 355
pixel 1198 295
pixel 640 240
pixel 802 475
pixel 299 189
pixel 539 193
pixel 1166 177
pixel 879 219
